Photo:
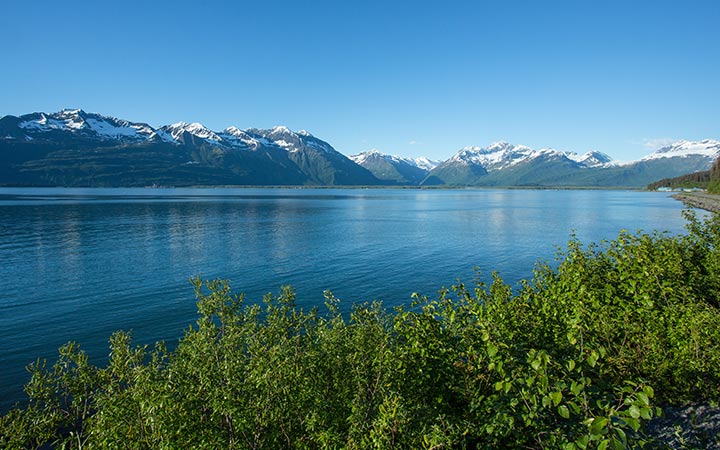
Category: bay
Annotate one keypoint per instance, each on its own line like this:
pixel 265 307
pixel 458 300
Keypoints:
pixel 78 264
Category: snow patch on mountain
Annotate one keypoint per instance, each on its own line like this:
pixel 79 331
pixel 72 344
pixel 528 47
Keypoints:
pixel 49 122
pixel 590 159
pixel 425 163
pixel 421 162
pixel 113 131
pixel 236 137
pixel 174 133
pixel 77 120
pixel 708 147
pixel 496 156
pixel 501 155
pixel 374 153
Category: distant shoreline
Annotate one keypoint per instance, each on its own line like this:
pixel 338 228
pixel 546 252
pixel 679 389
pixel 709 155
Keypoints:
pixel 377 186
pixel 702 200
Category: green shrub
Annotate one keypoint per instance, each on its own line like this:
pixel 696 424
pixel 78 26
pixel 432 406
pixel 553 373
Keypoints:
pixel 579 357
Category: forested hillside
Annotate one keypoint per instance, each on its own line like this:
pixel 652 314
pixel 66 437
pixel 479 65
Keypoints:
pixel 705 179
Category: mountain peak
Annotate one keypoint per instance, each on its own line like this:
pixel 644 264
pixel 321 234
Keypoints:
pixel 500 155
pixel 683 148
pixel 281 129
pixel 175 132
pixel 367 156
pixel 499 146
pixel 71 111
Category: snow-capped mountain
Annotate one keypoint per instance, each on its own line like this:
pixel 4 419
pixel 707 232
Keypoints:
pixel 178 133
pixel 72 147
pixel 707 148
pixel 591 159
pixel 421 162
pixel 502 155
pixel 505 164
pixel 426 163
pixel 289 140
pixel 75 148
pixel 390 168
pixel 79 122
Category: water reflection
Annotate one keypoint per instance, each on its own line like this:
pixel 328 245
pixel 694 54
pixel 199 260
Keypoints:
pixel 79 264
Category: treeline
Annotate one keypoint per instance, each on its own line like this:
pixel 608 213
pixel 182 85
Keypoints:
pixel 706 179
pixel 581 356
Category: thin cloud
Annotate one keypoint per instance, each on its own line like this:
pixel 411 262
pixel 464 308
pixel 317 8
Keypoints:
pixel 656 143
pixel 414 142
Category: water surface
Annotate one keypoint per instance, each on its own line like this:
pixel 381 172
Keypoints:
pixel 77 264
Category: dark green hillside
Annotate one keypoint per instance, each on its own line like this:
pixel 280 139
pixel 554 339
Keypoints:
pixel 552 171
pixel 579 357
pixel 638 174
pixel 394 172
pixel 74 148
pixel 330 169
pixel 704 179
pixel 714 184
pixel 78 163
pixel 45 164
pixel 698 180
pixel 542 171
pixel 453 174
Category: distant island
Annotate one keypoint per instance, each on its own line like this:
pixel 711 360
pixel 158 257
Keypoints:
pixel 78 149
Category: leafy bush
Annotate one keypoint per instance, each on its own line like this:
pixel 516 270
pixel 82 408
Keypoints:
pixel 579 357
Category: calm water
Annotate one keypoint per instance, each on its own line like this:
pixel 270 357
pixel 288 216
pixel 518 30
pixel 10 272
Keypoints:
pixel 77 264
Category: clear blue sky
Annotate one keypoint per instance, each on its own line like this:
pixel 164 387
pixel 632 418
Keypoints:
pixel 409 78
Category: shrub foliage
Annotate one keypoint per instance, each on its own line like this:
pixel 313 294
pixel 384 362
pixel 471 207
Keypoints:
pixel 581 356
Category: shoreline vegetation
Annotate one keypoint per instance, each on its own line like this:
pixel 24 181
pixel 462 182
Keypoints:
pixel 591 352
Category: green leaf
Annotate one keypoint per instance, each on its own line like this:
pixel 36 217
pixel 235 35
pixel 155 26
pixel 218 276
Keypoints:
pixel 643 397
pixel 576 388
pixel 646 412
pixel 634 423
pixel 593 358
pixel 648 390
pixel 634 412
pixel 621 434
pixel 556 397
pixel 492 349
pixel 598 425
pixel 582 442
pixel 615 444
pixel 571 365
pixel 535 364
pixel 485 336
pixel 563 411
pixel 571 338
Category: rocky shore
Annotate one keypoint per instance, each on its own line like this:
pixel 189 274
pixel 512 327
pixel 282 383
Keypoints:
pixel 702 200
pixel 689 427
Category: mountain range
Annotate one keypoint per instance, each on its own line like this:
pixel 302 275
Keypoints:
pixel 76 148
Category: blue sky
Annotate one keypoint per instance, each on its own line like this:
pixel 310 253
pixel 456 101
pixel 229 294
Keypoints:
pixel 410 78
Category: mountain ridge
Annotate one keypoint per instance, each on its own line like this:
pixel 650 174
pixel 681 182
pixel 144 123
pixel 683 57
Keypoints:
pixel 504 164
pixel 75 148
